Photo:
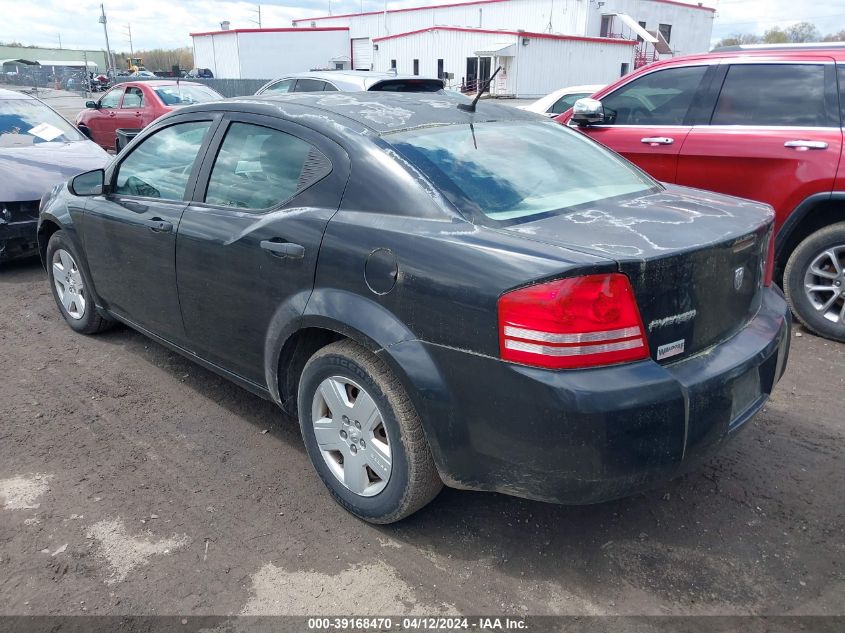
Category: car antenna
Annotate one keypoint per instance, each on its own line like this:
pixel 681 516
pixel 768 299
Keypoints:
pixel 471 106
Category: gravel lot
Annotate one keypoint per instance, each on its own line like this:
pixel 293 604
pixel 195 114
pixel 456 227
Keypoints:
pixel 134 482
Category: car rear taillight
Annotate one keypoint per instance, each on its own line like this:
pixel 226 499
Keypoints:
pixel 769 271
pixel 571 323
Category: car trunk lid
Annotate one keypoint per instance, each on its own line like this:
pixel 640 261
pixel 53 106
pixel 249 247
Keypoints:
pixel 695 260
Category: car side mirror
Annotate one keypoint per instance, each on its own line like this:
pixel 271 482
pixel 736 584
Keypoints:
pixel 91 183
pixel 92 104
pixel 587 112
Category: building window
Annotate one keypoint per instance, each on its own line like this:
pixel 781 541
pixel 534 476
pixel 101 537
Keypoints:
pixel 624 69
pixel 393 64
pixel 639 39
pixel 416 67
pixel 666 32
pixel 440 69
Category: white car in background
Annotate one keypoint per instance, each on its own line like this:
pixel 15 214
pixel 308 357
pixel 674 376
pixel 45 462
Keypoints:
pixel 561 100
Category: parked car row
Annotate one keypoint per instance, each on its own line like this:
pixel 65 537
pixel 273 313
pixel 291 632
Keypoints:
pixel 351 81
pixel 441 292
pixel 445 292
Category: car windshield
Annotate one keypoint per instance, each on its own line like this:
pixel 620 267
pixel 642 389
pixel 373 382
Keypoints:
pixel 27 121
pixel 180 94
pixel 511 171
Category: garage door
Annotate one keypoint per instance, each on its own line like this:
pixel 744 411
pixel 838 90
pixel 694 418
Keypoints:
pixel 362 53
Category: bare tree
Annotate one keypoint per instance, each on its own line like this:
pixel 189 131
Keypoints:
pixel 803 32
pixel 775 35
pixel 161 59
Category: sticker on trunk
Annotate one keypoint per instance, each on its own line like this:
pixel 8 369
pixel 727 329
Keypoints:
pixel 670 349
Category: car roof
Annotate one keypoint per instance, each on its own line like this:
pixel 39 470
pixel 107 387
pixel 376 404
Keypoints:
pixel 361 79
pixel 378 112
pixel 159 82
pixel 806 46
pixel 581 88
pixel 775 53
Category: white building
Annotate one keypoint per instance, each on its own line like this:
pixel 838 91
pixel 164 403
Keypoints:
pixel 540 44
pixel 533 64
pixel 268 53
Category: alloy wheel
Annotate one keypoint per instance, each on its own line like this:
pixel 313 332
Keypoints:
pixel 824 283
pixel 68 282
pixel 352 436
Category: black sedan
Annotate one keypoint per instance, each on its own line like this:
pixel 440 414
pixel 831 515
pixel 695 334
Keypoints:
pixel 38 150
pixel 484 299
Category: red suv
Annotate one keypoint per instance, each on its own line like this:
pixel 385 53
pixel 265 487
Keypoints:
pixel 764 123
pixel 134 105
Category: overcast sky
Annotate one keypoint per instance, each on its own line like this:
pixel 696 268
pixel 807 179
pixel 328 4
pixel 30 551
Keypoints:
pixel 166 23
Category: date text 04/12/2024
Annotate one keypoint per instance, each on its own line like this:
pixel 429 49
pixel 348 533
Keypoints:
pixel 416 623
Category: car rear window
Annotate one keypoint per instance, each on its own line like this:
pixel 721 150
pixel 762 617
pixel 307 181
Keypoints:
pixel 408 85
pixel 512 171
pixel 181 94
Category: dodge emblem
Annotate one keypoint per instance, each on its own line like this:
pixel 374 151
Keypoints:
pixel 739 274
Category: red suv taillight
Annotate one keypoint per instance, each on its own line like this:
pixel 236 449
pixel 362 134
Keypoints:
pixel 769 271
pixel 572 323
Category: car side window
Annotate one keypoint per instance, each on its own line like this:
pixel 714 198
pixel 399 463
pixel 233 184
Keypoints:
pixel 659 98
pixel 772 94
pixel 327 87
pixel 285 85
pixel 160 166
pixel 566 101
pixel 309 85
pixel 259 167
pixel 134 98
pixel 111 99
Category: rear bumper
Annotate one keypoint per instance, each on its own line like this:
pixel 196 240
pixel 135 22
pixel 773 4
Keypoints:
pixel 587 436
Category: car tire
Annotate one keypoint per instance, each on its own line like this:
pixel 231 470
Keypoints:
pixel 360 479
pixel 821 311
pixel 71 287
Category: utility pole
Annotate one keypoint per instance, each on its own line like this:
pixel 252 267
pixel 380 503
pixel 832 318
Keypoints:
pixel 60 41
pixel 129 34
pixel 88 87
pixel 109 55
pixel 258 11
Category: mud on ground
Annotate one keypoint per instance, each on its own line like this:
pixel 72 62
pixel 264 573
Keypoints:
pixel 134 482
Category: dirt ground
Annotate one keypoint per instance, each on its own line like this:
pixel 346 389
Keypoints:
pixel 134 482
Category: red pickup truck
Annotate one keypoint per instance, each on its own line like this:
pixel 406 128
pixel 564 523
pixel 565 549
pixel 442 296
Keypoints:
pixel 764 123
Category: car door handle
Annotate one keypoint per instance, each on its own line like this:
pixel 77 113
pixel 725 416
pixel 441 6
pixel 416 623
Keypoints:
pixel 657 140
pixel 805 145
pixel 284 250
pixel 157 225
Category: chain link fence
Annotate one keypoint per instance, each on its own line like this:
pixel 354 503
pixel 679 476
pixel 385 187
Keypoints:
pixel 226 87
pixel 37 82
